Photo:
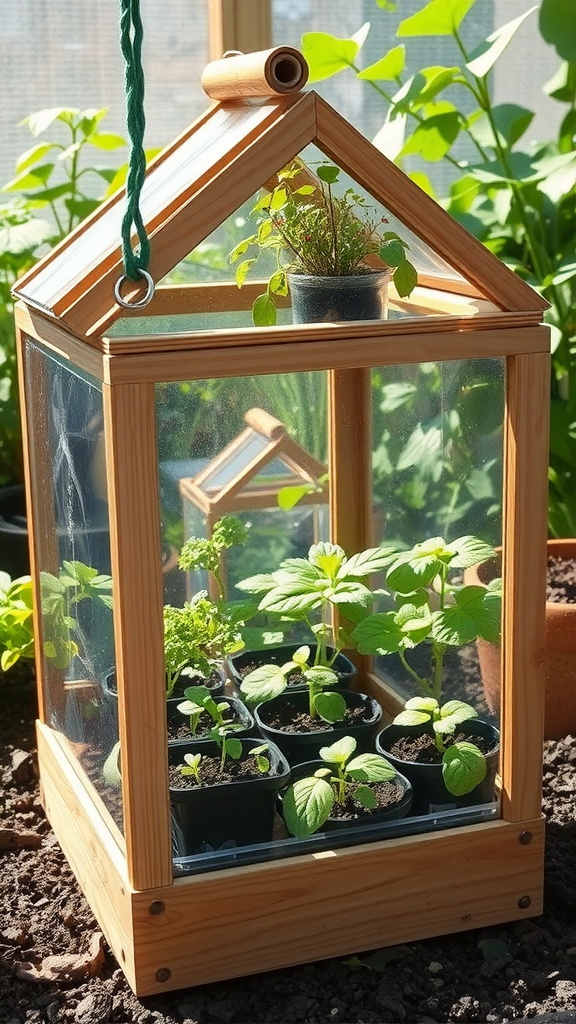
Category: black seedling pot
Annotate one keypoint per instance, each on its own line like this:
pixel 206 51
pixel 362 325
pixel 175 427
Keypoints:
pixel 430 793
pixel 242 721
pixel 229 814
pixel 305 746
pixel 344 668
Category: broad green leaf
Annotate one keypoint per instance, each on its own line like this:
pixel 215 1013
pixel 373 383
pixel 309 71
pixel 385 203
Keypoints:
pixel 397 395
pixel 233 748
pixel 367 562
pixel 558 27
pixel 42 119
pixel 458 710
pixel 326 54
pixel 196 694
pixel 306 805
pixel 327 557
pixel 288 497
pixel 434 137
pixel 423 182
pixel 469 550
pixel 388 68
pixel 351 592
pixel 29 179
pixel 278 283
pixel 111 768
pixel 429 704
pixel 437 78
pixel 423 449
pixel 379 634
pixel 438 18
pixel 328 173
pixel 562 85
pixel 474 614
pixel 510 121
pixel 263 683
pixel 463 768
pixel 405 279
pixel 412 718
pixel 106 140
pixel 264 311
pixel 370 768
pixel 257 584
pixel 486 54
pixel 320 677
pixel 330 706
pixel 278 199
pixel 340 751
pixel 393 253
pixel 558 176
pixel 31 156
pixel 289 600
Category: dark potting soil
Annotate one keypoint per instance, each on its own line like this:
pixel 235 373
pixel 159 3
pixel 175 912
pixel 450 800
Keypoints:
pixel 211 772
pixel 423 748
pixel 387 794
pixel 290 718
pixel 56 968
pixel 561 580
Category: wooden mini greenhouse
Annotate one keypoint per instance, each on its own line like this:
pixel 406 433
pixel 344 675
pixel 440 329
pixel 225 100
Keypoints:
pixel 110 394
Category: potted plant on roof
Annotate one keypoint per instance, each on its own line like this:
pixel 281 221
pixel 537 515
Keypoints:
pixel 447 752
pixel 223 793
pixel 304 714
pixel 332 250
pixel 341 791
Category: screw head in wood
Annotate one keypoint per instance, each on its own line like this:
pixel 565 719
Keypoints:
pixel 524 902
pixel 163 974
pixel 157 907
pixel 525 838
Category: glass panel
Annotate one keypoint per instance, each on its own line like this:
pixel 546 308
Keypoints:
pixel 72 537
pixel 437 473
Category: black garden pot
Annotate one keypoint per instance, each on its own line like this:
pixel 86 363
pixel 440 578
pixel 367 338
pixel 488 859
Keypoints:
pixel 344 668
pixel 242 721
pixel 331 299
pixel 305 746
pixel 399 810
pixel 430 793
pixel 231 814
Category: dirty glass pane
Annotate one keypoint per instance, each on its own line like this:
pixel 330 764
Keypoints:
pixel 72 537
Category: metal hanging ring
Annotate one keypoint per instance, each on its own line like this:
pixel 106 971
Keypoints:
pixel 139 303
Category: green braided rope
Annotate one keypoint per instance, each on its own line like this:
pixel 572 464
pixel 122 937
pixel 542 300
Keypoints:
pixel 131 45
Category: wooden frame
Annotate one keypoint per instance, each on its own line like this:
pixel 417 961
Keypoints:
pixel 168 933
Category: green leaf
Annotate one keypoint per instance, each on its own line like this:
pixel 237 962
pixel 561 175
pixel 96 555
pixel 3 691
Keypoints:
pixel 31 156
pixel 257 584
pixel 306 805
pixel 242 271
pixel 264 311
pixel 330 706
pixel 288 497
pixel 29 179
pixel 365 797
pixel 340 751
pixel 326 54
pixel 558 27
pixel 434 137
pixel 412 718
pixel 263 683
pixel 405 279
pixel 290 600
pixel 106 140
pixel 17 239
pixel 379 634
pixel 476 612
pixel 366 563
pixel 278 283
pixel 469 550
pixel 423 182
pixel 429 704
pixel 463 768
pixel 328 173
pixel 370 768
pixel 510 121
pixel 388 68
pixel 486 54
pixel 42 119
pixel 458 710
pixel 438 18
pixel 319 677
pixel 233 748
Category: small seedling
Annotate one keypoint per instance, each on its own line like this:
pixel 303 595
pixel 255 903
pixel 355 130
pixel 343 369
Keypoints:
pixel 269 681
pixel 308 802
pixel 463 763
pixel 199 699
pixel 229 747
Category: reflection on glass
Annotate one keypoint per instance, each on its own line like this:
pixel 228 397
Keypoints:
pixel 73 545
pixel 437 477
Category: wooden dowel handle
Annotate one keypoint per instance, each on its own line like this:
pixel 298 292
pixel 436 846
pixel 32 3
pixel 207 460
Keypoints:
pixel 264 423
pixel 274 72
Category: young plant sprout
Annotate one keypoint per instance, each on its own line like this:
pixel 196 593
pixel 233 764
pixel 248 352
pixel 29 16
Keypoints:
pixel 308 802
pixel 198 636
pixel 463 763
pixel 269 681
pixel 302 589
pixel 199 699
pixel 230 747
pixel 206 553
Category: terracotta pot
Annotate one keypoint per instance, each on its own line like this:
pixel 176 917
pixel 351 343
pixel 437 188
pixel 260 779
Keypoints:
pixel 559 659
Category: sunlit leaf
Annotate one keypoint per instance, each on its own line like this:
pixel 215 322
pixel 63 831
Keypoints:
pixel 486 54
pixel 463 768
pixel 438 18
pixel 326 54
pixel 388 68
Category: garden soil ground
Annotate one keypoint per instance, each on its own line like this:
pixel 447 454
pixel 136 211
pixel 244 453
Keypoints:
pixel 55 967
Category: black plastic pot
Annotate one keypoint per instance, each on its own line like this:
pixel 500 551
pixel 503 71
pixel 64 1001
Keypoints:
pixel 430 793
pixel 344 668
pixel 231 814
pixel 110 695
pixel 358 297
pixel 305 746
pixel 243 721
pixel 400 810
